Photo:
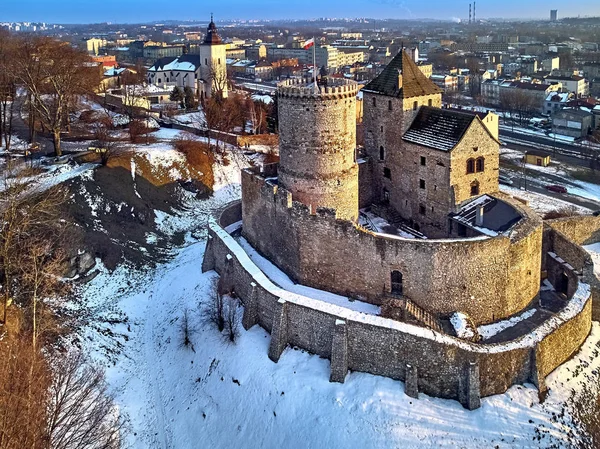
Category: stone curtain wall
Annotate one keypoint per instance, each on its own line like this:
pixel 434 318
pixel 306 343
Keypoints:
pixel 433 363
pixel 563 237
pixel 491 278
pixel 583 230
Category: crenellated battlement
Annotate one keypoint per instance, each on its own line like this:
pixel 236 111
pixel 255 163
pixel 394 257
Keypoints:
pixel 301 88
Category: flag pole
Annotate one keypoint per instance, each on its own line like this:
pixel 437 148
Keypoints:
pixel 315 65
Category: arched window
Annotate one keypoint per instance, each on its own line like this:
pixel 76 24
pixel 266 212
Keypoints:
pixel 415 105
pixel 480 164
pixel 397 286
pixel 474 188
pixel 389 105
pixel 430 102
pixel 374 102
pixel 470 166
pixel 381 153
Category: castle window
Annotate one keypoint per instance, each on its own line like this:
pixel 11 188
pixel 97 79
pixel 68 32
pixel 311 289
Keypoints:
pixel 205 61
pixel 381 153
pixel 421 183
pixel 415 105
pixel 387 173
pixel 423 160
pixel 219 61
pixel 422 209
pixel 374 102
pixel 479 166
pixel 474 188
pixel 381 129
pixel 389 105
pixel 396 278
pixel 475 148
pixel 470 166
pixel 430 102
pixel 386 196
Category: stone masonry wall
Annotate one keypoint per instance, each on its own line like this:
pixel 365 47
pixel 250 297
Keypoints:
pixel 582 230
pixel 385 119
pixel 437 365
pixel 317 145
pixel 475 143
pixel 491 278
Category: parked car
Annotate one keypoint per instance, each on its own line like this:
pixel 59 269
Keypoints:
pixel 556 188
pixel 505 180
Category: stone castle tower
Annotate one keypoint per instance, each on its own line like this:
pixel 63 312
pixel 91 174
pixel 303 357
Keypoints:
pixel 213 64
pixel 317 144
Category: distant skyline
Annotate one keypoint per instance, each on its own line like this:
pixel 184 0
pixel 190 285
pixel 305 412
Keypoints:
pixel 137 11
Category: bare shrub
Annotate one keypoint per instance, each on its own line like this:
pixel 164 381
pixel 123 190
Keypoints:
pixel 216 312
pixel 231 318
pixel 186 331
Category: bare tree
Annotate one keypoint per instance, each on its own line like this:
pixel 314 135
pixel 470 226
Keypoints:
pixel 8 88
pixel 219 82
pixel 106 145
pixel 82 413
pixel 54 74
pixel 24 380
pixel 26 215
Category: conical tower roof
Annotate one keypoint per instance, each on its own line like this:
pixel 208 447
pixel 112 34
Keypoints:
pixel 414 82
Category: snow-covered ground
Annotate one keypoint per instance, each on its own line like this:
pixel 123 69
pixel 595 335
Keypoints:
pixel 574 186
pixel 232 395
pixel 222 394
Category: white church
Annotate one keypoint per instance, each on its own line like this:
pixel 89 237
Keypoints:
pixel 205 72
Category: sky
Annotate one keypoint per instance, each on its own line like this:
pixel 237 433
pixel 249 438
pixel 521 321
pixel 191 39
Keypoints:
pixel 136 11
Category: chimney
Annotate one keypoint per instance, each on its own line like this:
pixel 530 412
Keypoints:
pixel 399 79
pixel 479 216
pixel 469 14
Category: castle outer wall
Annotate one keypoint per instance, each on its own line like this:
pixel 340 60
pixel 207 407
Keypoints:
pixel 491 278
pixel 426 361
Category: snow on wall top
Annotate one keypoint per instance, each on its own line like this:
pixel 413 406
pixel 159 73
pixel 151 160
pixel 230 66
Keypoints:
pixel 574 306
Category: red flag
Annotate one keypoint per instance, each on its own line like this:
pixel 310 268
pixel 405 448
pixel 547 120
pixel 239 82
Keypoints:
pixel 309 43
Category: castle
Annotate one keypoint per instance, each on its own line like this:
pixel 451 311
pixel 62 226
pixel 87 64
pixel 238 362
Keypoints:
pixel 415 225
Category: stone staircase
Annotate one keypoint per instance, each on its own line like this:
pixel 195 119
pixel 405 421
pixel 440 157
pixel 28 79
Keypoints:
pixel 422 316
pixel 403 309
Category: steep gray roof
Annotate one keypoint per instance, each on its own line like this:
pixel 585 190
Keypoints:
pixel 436 128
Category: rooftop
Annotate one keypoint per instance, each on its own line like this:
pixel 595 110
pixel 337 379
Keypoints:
pixel 438 128
pixel 414 82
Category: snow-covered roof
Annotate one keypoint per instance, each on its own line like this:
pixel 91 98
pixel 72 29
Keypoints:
pixel 438 128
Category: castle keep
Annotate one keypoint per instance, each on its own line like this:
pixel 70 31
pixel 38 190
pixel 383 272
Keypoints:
pixel 414 225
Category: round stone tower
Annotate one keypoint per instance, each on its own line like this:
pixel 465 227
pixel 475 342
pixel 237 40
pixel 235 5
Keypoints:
pixel 317 144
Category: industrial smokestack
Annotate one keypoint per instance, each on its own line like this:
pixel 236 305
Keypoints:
pixel 469 14
pixel 474 20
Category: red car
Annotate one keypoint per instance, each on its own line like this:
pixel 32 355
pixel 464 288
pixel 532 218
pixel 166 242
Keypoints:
pixel 557 188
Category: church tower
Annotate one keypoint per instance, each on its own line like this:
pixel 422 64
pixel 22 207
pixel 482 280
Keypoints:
pixel 213 65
